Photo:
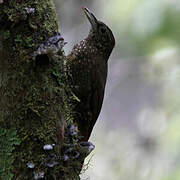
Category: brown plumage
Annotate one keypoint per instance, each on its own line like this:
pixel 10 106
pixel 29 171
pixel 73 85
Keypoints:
pixel 87 66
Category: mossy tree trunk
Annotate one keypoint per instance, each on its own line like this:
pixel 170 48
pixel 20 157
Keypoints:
pixel 32 102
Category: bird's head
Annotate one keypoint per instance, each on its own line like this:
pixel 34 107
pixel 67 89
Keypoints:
pixel 100 34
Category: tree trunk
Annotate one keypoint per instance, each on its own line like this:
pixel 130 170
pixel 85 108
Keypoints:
pixel 35 106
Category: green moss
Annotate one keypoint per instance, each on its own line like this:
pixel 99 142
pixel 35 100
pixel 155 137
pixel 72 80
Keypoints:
pixel 6 34
pixel 8 140
pixel 18 38
pixel 21 25
pixel 29 42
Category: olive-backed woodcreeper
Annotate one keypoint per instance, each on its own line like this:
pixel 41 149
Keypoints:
pixel 87 65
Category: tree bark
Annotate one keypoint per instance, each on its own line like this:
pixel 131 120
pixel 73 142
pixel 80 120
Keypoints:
pixel 35 103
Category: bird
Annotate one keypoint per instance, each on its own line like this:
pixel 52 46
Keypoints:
pixel 87 66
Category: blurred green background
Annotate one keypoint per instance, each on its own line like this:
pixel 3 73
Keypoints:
pixel 137 136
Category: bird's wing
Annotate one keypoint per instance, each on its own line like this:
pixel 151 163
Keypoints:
pixel 98 87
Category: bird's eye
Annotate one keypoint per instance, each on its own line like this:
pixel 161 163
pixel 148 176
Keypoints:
pixel 102 30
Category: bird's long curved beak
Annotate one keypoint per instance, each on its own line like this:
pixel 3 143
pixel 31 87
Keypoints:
pixel 92 19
